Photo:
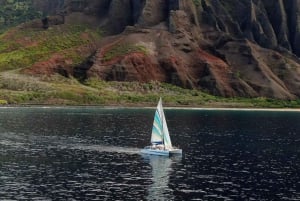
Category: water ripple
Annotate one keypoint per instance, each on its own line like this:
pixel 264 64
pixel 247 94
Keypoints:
pixel 84 154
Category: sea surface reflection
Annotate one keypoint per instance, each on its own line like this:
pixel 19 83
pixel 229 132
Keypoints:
pixel 161 169
pixel 90 153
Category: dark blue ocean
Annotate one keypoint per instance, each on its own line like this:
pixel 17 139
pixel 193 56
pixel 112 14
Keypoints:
pixel 92 153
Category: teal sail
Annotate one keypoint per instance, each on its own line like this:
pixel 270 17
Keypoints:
pixel 157 130
pixel 160 132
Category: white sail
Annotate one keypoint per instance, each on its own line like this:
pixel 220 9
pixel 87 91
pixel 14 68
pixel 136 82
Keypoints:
pixel 160 132
pixel 167 139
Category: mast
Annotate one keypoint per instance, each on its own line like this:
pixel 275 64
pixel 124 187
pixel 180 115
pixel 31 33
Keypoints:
pixel 161 113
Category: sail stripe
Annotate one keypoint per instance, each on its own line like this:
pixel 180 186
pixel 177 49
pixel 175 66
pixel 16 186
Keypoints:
pixel 157 119
pixel 158 126
pixel 156 131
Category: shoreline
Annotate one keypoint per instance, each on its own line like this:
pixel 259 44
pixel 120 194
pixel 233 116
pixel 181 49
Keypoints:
pixel 137 106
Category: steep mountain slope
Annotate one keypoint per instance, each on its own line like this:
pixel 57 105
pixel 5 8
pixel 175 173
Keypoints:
pixel 229 48
pixel 210 45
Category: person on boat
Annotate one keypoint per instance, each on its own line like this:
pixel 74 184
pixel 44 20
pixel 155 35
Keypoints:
pixel 157 146
pixel 160 147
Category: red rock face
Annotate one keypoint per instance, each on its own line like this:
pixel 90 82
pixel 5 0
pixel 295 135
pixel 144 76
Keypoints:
pixel 204 46
pixel 218 73
pixel 56 64
pixel 129 67
pixel 196 69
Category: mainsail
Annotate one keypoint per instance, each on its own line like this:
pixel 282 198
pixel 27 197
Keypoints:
pixel 160 132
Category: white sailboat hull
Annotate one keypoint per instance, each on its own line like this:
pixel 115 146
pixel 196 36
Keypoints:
pixel 176 151
pixel 160 152
pixel 155 152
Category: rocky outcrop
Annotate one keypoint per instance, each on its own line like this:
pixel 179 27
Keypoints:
pixel 293 8
pixel 263 70
pixel 269 23
pixel 48 7
pixel 226 47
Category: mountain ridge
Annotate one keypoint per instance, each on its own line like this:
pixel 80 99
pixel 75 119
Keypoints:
pixel 228 48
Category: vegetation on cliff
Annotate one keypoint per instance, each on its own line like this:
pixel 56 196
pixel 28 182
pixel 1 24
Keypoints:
pixel 92 54
pixel 22 89
pixel 21 48
pixel 120 50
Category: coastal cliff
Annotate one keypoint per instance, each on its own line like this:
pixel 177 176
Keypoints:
pixel 229 48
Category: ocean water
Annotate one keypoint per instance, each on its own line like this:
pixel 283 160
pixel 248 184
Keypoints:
pixel 91 153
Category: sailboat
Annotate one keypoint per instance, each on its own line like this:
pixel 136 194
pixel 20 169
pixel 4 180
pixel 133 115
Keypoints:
pixel 160 139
